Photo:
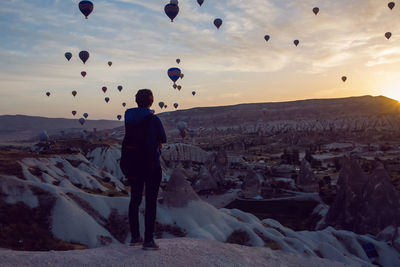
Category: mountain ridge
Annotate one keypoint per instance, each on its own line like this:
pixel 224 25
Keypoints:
pixel 19 127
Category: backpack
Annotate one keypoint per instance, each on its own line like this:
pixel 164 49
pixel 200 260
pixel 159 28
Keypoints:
pixel 135 156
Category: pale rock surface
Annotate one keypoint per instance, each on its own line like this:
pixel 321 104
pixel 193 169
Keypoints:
pixel 77 222
pixel 183 152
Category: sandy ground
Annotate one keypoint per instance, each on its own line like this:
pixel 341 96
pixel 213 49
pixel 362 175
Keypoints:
pixel 174 252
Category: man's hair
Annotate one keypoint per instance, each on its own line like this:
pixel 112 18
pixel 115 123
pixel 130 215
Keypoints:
pixel 144 98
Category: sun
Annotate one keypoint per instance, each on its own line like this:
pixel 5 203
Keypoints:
pixel 392 90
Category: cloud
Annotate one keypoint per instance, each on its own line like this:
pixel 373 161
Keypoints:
pixel 142 42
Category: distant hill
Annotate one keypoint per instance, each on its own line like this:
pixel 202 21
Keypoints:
pixel 20 127
pixel 301 109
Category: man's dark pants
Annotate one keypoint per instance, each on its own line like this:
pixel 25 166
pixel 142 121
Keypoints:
pixel 151 182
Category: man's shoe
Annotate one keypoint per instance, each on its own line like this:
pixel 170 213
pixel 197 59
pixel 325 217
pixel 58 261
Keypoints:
pixel 136 241
pixel 150 245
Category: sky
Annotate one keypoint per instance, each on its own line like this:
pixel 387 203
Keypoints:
pixel 228 66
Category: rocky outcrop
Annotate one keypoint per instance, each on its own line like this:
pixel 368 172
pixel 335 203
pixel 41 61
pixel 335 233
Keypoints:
pixel 182 152
pixel 390 235
pixel 251 185
pixel 178 192
pixel 218 166
pixel 205 181
pixel 306 179
pixel 364 204
pixel 207 169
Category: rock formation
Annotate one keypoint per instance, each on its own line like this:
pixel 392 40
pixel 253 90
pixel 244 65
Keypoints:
pixel 205 181
pixel 364 204
pixel 218 166
pixel 251 185
pixel 178 191
pixel 306 179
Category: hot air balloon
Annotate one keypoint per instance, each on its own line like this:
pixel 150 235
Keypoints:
pixel 84 56
pixel 119 117
pixel 107 99
pixel 73 113
pixel 344 78
pixel 124 104
pixel 48 93
pixel 182 75
pixel 81 121
pixel 315 10
pixel 176 105
pixel 388 35
pixel 179 87
pixel 178 60
pixel 68 55
pixel 43 136
pixel 119 88
pixel 218 23
pixel 74 93
pixel 174 74
pixel 109 63
pixel 104 89
pixel 266 37
pixel 83 73
pixel 391 5
pixel 171 10
pixel 161 104
pixel 264 110
pixel 296 42
pixel 181 126
pixel 86 7
pixel 165 106
pixel 200 2
pixel 174 85
pixel 193 93
pixel 85 115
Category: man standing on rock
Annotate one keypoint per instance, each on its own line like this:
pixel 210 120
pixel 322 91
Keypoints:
pixel 140 163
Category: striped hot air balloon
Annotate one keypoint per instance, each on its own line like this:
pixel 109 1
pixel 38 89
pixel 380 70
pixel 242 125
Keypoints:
pixel 171 10
pixel 174 74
